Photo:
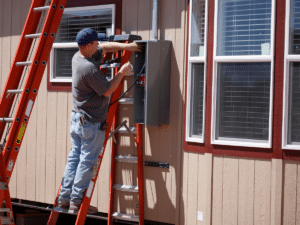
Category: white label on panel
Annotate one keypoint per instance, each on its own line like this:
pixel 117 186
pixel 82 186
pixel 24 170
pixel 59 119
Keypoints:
pixel 201 51
pixel 200 216
pixel 265 49
pixel 10 165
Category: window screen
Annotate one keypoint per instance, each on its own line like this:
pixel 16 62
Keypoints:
pixel 294 103
pixel 243 100
pixel 244 27
pixel 73 21
pixel 197 28
pixel 294 46
pixel 197 84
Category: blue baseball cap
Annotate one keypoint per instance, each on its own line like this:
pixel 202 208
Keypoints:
pixel 88 35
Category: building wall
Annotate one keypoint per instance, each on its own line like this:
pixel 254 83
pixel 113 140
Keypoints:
pixel 46 144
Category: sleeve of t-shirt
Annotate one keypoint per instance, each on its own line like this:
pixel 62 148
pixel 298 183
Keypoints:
pixel 98 55
pixel 97 81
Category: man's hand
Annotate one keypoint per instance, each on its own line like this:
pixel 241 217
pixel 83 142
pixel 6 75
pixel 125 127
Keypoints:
pixel 126 69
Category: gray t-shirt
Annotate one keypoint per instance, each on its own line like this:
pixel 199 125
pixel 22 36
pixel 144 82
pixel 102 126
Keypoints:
pixel 88 86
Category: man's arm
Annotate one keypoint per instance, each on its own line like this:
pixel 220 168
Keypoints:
pixel 117 46
pixel 114 83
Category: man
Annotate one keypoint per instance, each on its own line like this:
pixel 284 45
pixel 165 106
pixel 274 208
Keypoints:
pixel 91 91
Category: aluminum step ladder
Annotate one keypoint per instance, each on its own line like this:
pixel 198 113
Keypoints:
pixel 82 213
pixel 13 122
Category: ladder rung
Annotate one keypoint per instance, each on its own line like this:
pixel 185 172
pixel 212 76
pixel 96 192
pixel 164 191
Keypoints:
pixel 38 9
pixel 126 101
pixel 112 65
pixel 6 220
pixel 123 130
pixel 7 119
pixel 4 209
pixel 126 217
pixel 33 35
pixel 27 63
pixel 127 159
pixel 14 91
pixel 3 186
pixel 127 188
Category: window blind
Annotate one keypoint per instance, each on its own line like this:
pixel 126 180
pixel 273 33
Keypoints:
pixel 73 21
pixel 63 62
pixel 197 28
pixel 197 84
pixel 294 47
pixel 294 103
pixel 244 27
pixel 243 100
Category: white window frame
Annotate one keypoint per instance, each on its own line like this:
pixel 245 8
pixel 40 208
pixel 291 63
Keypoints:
pixel 74 44
pixel 241 59
pixel 191 60
pixel 286 88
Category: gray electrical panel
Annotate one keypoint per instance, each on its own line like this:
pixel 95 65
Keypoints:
pixel 152 90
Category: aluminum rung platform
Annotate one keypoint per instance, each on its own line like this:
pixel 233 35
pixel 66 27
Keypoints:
pixel 3 186
pixel 126 101
pixel 14 91
pixel 7 119
pixel 6 220
pixel 27 63
pixel 113 65
pixel 39 9
pixel 127 188
pixel 123 130
pixel 126 159
pixel 127 217
pixel 4 209
pixel 33 35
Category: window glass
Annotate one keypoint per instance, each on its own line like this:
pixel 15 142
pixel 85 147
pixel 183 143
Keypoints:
pixel 243 100
pixel 244 27
pixel 197 28
pixel 294 46
pixel 196 121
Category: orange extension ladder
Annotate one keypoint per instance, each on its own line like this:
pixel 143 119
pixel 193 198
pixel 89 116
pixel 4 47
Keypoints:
pixel 112 112
pixel 15 125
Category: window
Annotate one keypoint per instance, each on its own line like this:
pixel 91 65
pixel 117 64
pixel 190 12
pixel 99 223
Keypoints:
pixel 291 114
pixel 196 71
pixel 100 18
pixel 243 73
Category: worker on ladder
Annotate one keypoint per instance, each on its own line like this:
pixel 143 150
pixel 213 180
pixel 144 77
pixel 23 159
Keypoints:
pixel 91 91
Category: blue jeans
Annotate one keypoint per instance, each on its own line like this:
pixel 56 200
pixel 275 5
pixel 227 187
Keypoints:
pixel 87 142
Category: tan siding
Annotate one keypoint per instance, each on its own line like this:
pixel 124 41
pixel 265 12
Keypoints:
pixel 246 191
pixel 217 196
pixel 276 191
pixel 290 192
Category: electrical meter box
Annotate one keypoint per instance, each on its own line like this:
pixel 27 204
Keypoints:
pixel 152 90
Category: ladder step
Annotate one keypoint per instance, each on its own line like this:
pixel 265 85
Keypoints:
pixel 33 35
pixel 7 119
pixel 6 220
pixel 4 209
pixel 112 65
pixel 3 186
pixel 127 188
pixel 14 91
pixel 27 63
pixel 127 217
pixel 126 159
pixel 126 101
pixel 39 9
pixel 123 130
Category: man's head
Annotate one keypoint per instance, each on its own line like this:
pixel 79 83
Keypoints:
pixel 87 40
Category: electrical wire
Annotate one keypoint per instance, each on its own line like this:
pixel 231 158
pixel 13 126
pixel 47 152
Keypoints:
pixel 136 79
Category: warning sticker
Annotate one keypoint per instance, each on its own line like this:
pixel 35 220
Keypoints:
pixel 90 189
pixel 10 165
pixel 21 133
pixel 95 168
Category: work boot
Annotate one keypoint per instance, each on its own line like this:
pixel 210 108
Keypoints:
pixel 75 207
pixel 65 205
